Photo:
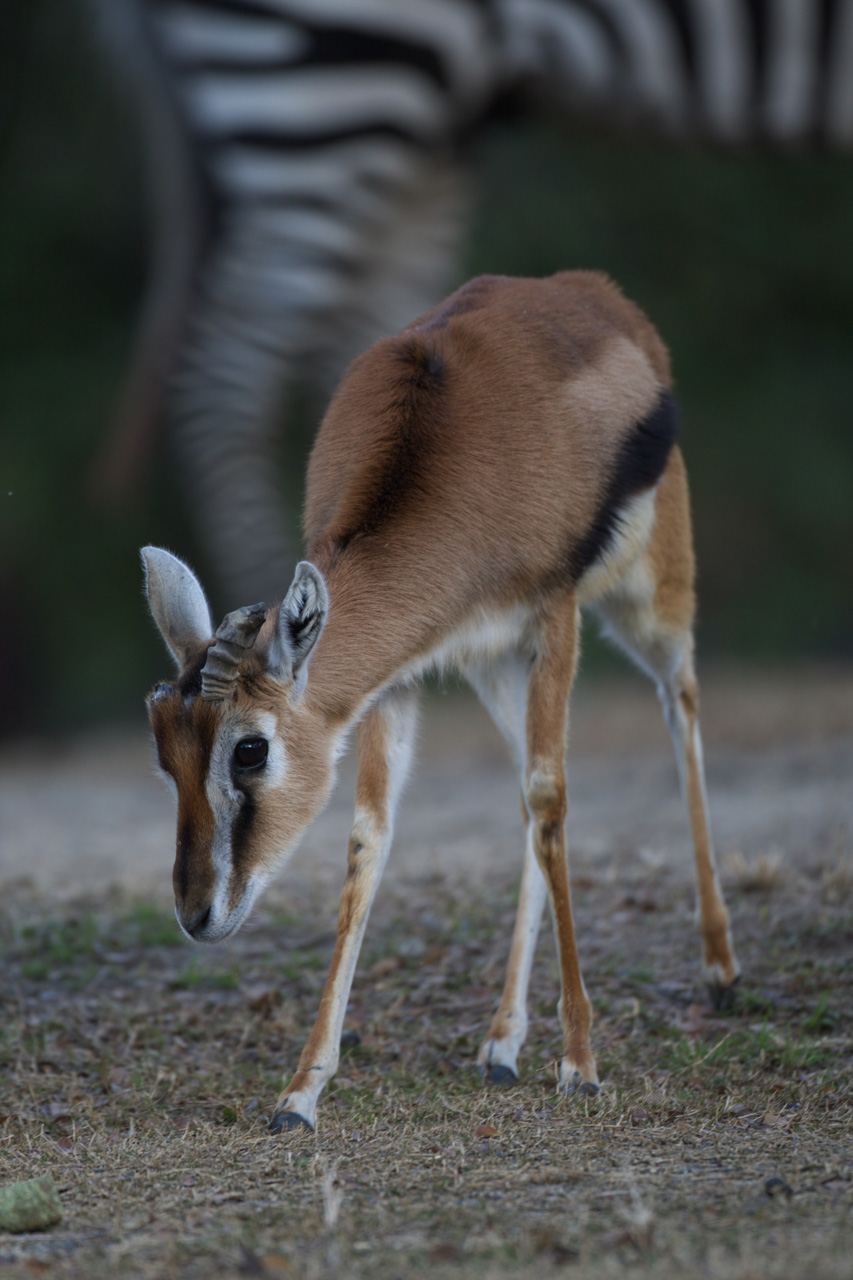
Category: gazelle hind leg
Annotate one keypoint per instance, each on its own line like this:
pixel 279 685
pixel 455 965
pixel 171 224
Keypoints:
pixel 530 705
pixel 679 694
pixel 498 1056
pixel 502 688
pixel 649 613
pixel 385 739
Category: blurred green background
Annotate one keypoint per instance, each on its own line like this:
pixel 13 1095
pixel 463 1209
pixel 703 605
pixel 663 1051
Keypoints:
pixel 744 260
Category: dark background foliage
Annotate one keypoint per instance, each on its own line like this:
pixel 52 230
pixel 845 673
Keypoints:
pixel 744 260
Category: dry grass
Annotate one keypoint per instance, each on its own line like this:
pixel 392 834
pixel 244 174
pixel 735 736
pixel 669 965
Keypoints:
pixel 754 875
pixel 139 1072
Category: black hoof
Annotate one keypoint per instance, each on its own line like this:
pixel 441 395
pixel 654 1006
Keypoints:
pixel 586 1089
pixel 288 1120
pixel 503 1077
pixel 722 998
pixel 350 1039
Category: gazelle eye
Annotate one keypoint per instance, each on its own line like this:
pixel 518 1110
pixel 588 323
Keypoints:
pixel 251 753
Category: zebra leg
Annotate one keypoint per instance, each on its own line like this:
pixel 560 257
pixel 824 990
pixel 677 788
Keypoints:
pixel 272 305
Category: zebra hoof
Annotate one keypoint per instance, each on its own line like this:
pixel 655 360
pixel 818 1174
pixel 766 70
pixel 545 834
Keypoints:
pixel 288 1120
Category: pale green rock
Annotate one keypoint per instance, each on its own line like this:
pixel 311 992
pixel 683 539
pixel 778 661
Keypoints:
pixel 29 1206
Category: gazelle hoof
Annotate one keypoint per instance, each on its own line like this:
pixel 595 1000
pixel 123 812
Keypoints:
pixel 503 1077
pixel 722 997
pixel 288 1120
pixel 585 1089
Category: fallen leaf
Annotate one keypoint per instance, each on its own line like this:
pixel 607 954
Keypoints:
pixel 486 1131
pixel 774 1121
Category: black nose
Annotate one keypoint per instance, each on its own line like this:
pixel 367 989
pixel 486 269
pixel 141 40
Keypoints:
pixel 197 926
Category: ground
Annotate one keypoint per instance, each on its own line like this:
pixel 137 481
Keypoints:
pixel 139 1070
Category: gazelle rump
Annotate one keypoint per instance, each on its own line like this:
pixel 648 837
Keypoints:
pixel 508 458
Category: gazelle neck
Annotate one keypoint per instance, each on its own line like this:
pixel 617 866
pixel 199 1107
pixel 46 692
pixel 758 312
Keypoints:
pixel 377 628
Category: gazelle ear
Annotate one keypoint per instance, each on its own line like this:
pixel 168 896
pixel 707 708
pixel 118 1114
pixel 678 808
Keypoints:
pixel 301 618
pixel 177 603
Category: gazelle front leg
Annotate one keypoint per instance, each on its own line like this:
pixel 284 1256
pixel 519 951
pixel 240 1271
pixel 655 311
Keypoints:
pixel 545 794
pixel 385 739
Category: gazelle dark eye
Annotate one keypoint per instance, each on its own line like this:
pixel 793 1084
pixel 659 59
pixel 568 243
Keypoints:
pixel 251 753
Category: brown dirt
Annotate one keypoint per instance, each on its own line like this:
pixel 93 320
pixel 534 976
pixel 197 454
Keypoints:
pixel 138 1070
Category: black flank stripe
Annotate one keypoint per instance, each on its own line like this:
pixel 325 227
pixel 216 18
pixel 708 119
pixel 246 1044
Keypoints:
pixel 639 465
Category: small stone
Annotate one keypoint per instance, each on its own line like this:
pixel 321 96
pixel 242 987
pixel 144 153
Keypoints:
pixel 29 1206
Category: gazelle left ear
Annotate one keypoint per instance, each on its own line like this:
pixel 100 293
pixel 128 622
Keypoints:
pixel 301 618
pixel 177 603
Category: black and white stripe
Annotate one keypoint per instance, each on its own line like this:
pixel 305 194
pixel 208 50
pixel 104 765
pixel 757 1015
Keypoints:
pixel 310 185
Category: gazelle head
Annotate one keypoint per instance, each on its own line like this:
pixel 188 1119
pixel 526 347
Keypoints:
pixel 250 764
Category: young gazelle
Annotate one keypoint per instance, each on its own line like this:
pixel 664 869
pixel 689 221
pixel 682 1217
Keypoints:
pixel 505 460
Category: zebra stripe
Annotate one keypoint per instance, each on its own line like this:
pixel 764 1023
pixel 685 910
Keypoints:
pixel 313 188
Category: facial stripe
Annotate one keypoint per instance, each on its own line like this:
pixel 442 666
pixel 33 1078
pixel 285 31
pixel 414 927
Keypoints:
pixel 184 733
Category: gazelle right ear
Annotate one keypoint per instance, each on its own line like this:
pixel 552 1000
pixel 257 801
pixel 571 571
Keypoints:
pixel 177 603
pixel 301 617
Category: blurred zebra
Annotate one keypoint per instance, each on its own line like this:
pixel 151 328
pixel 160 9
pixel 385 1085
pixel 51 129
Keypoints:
pixel 309 185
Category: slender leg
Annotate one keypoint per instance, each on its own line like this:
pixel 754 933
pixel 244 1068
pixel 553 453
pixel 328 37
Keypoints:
pixel 680 698
pixel 498 1056
pixel 502 688
pixel 545 793
pixel 649 613
pixel 385 747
